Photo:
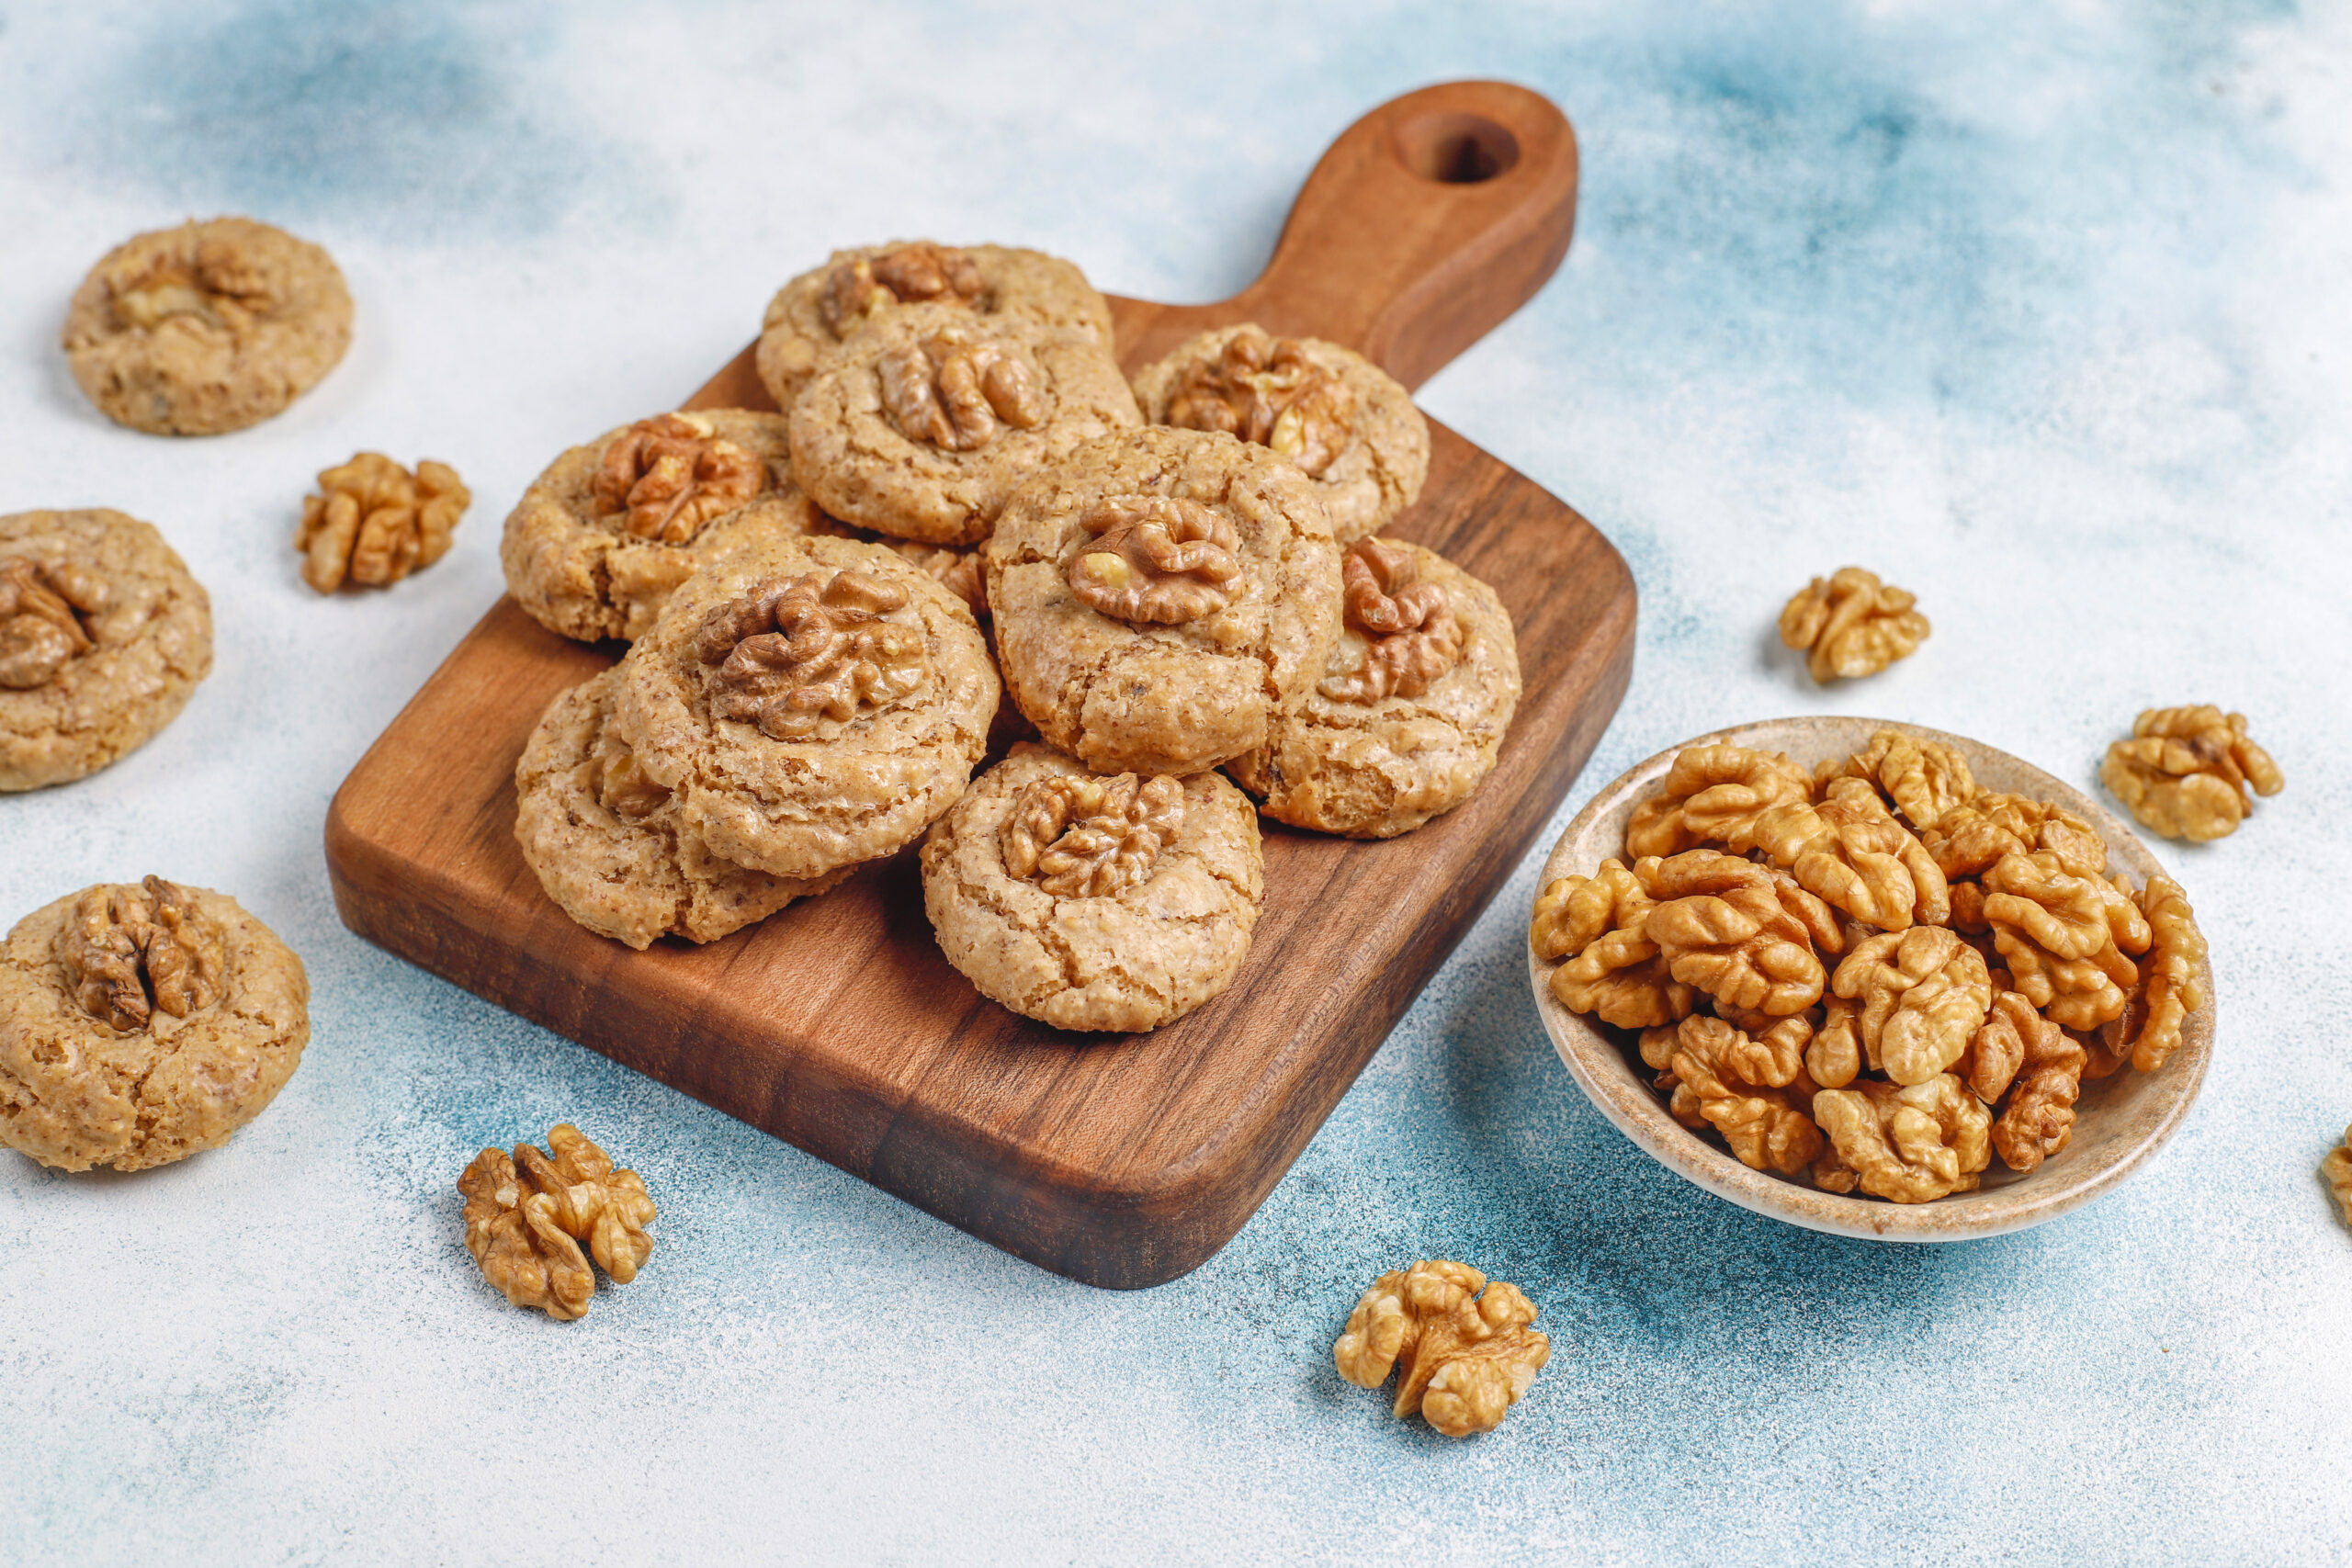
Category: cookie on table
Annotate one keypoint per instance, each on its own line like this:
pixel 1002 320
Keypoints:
pixel 1094 903
pixel 1161 596
pixel 1412 706
pixel 926 422
pixel 103 635
pixel 142 1022
pixel 605 842
pixel 206 328
pixel 1349 425
pixel 816 312
pixel 601 538
pixel 810 703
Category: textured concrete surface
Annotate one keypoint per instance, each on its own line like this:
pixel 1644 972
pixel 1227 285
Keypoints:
pixel 2040 310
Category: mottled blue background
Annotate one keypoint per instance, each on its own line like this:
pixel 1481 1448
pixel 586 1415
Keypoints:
pixel 2041 310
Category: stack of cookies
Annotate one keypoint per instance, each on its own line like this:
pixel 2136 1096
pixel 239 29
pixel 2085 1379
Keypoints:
pixel 966 508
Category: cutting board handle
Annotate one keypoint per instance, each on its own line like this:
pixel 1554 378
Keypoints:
pixel 1430 219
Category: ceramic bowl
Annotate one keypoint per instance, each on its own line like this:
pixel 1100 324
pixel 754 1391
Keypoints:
pixel 2122 1121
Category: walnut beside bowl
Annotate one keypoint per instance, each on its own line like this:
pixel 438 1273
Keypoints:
pixel 2120 1121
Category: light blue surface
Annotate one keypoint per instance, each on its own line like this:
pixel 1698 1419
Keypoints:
pixel 2042 312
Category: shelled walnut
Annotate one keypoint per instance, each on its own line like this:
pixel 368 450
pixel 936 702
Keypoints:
pixel 1713 793
pixel 528 1213
pixel 373 522
pixel 1460 1347
pixel 1157 559
pixel 45 610
pixel 1737 930
pixel 1927 780
pixel 798 651
pixel 908 274
pixel 1851 851
pixel 1410 625
pixel 955 391
pixel 1924 995
pixel 2184 772
pixel 957 570
pixel 671 474
pixel 127 955
pixel 1970 837
pixel 1754 1092
pixel 1266 390
pixel 1082 837
pixel 1910 1143
pixel 2337 1171
pixel 2045 1067
pixel 1851 625
pixel 217 282
pixel 1614 971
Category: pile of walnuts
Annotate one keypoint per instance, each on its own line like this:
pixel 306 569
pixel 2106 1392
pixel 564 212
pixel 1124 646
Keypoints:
pixel 1876 976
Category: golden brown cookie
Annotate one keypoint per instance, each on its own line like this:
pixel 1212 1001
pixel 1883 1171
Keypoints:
pixel 206 328
pixel 604 839
pixel 922 424
pixel 1412 706
pixel 144 1022
pixel 1348 425
pixel 601 538
pixel 810 703
pixel 103 635
pixel 1161 596
pixel 1086 902
pixel 813 314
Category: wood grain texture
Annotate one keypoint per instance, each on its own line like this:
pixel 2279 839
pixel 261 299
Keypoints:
pixel 837 1025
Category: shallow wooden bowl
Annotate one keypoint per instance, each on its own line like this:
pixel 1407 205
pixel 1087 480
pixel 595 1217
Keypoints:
pixel 2122 1120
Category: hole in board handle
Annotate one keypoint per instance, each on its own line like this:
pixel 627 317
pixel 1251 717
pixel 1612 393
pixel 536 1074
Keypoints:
pixel 1456 149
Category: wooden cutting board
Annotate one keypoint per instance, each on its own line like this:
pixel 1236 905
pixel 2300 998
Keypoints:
pixel 837 1025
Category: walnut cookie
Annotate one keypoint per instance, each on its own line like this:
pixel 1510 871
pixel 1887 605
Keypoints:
pixel 810 703
pixel 605 842
pixel 1348 425
pixel 103 635
pixel 603 535
pixel 810 316
pixel 1162 596
pixel 1094 903
pixel 1411 710
pixel 206 328
pixel 140 1023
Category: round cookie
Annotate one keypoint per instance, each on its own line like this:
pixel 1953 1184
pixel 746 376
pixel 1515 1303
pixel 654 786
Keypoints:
pixel 605 843
pixel 810 703
pixel 1164 671
pixel 922 424
pixel 140 1023
pixel 602 538
pixel 1411 709
pixel 103 635
pixel 206 328
pixel 1094 903
pixel 1350 425
pixel 813 314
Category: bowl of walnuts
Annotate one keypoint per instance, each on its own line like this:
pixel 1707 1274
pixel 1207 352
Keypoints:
pixel 1871 979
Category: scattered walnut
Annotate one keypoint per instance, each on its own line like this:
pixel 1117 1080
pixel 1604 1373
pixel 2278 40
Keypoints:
pixel 1851 625
pixel 1266 390
pixel 217 283
pixel 373 522
pixel 1616 972
pixel 1466 1350
pixel 2046 1068
pixel 1926 779
pixel 1971 837
pixel 1713 794
pixel 905 275
pixel 1156 558
pixel 1851 851
pixel 953 390
pixel 671 474
pixel 1924 994
pixel 1908 1144
pixel 956 570
pixel 1081 836
pixel 2080 993
pixel 1409 625
pixel 1741 1088
pixel 126 953
pixel 1733 929
pixel 45 608
pixel 2173 993
pixel 2337 1171
pixel 527 1215
pixel 799 650
pixel 2184 771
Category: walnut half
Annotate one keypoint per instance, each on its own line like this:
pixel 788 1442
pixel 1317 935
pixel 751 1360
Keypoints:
pixel 373 522
pixel 798 651
pixel 1266 390
pixel 44 619
pixel 528 1213
pixel 1158 560
pixel 1088 838
pixel 904 276
pixel 2337 1171
pixel 955 391
pixel 1409 625
pixel 2184 771
pixel 671 474
pixel 126 953
pixel 1851 625
pixel 1462 1348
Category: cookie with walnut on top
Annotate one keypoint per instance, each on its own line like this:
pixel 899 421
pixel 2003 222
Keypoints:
pixel 1349 425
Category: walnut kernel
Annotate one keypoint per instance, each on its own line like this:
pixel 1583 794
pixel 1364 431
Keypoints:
pixel 1462 1348
pixel 671 474
pixel 1616 972
pixel 126 954
pixel 2175 948
pixel 1926 779
pixel 1713 794
pixel 796 650
pixel 1409 625
pixel 1733 930
pixel 216 283
pixel 1089 838
pixel 1923 994
pixel 45 608
pixel 1266 390
pixel 1154 559
pixel 2047 1075
pixel 1851 625
pixel 957 570
pixel 1970 837
pixel 373 522
pixel 2184 771
pixel 528 1213
pixel 1908 1144
pixel 1851 851
pixel 953 390
pixel 904 276
pixel 1726 1080
pixel 2337 1171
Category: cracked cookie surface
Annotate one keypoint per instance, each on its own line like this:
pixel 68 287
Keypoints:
pixel 1164 698
pixel 1374 767
pixel 75 1091
pixel 574 564
pixel 149 643
pixel 851 788
pixel 1138 958
pixel 607 844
